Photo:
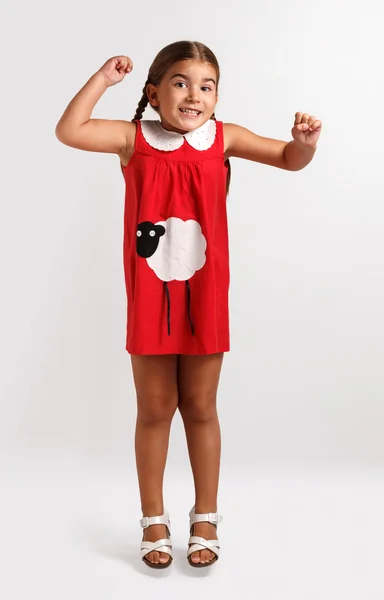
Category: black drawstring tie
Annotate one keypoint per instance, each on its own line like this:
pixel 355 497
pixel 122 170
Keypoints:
pixel 169 307
pixel 189 306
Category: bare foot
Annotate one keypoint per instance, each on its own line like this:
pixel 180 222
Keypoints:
pixel 209 532
pixel 152 534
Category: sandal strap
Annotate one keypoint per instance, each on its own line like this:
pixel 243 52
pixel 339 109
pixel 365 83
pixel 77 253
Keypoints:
pixel 198 543
pixel 162 545
pixel 213 518
pixel 156 520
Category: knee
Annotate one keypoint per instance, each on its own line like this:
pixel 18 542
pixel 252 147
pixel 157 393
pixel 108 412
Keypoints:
pixel 156 409
pixel 199 408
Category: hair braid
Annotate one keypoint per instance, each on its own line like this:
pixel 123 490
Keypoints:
pixel 142 104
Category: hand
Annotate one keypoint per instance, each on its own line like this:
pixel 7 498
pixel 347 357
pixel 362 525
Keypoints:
pixel 116 68
pixel 306 129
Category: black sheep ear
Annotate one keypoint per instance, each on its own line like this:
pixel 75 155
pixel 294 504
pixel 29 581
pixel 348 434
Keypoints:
pixel 160 229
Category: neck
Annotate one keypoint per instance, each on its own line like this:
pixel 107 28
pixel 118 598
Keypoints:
pixel 169 127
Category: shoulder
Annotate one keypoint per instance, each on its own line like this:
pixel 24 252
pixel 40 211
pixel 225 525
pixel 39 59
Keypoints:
pixel 233 134
pixel 241 142
pixel 130 135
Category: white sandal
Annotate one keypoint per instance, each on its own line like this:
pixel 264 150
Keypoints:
pixel 196 543
pixel 162 545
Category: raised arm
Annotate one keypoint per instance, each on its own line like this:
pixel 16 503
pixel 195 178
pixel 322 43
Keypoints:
pixel 76 128
pixel 291 156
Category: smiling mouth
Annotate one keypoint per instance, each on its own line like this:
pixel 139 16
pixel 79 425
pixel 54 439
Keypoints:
pixel 191 112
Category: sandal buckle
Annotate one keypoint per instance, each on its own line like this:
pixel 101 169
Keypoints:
pixel 144 522
pixel 213 517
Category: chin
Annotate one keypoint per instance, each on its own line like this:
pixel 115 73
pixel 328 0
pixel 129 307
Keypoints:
pixel 191 123
pixel 184 124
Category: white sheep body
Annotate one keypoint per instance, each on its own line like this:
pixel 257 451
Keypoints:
pixel 181 251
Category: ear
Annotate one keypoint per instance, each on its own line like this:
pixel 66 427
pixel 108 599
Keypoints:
pixel 152 95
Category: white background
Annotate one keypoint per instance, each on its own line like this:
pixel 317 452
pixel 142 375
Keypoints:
pixel 302 389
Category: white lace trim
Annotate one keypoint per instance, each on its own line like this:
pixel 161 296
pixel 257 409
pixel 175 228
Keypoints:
pixel 201 138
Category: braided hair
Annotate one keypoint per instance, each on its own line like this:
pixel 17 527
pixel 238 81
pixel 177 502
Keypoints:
pixel 183 50
pixel 142 104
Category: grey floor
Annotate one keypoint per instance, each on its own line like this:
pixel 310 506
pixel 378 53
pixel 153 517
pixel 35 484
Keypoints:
pixel 71 531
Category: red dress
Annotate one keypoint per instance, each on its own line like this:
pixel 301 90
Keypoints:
pixel 175 249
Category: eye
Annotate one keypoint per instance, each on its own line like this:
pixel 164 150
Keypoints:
pixel 152 233
pixel 181 83
pixel 206 88
pixel 138 233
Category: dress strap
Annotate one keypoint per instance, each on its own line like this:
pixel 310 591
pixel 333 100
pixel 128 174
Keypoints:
pixel 219 141
pixel 139 140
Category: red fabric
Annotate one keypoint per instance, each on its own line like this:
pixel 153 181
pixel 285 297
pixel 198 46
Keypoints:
pixel 188 184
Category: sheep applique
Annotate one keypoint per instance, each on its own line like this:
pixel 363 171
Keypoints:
pixel 174 250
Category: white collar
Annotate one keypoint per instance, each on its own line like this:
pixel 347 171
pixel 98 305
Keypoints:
pixel 201 138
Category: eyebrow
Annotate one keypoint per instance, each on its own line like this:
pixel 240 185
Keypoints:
pixel 183 76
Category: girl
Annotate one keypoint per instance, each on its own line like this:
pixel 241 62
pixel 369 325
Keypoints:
pixel 177 173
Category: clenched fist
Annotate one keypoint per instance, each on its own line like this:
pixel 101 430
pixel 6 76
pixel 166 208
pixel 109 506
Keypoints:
pixel 116 68
pixel 306 129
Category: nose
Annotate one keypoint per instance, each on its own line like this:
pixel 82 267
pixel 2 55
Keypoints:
pixel 193 95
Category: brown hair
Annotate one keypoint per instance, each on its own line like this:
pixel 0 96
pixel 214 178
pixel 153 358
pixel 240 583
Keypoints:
pixel 172 53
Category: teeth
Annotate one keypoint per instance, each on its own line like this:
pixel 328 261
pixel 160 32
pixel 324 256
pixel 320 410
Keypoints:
pixel 189 111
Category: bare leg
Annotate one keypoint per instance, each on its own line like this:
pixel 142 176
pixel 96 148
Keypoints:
pixel 155 378
pixel 198 379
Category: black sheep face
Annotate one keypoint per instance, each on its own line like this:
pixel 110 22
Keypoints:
pixel 147 238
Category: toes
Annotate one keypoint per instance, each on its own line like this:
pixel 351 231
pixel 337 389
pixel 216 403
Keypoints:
pixel 208 556
pixel 156 557
pixel 195 556
pixel 205 556
pixel 164 557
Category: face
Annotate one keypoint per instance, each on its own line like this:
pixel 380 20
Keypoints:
pixel 186 96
